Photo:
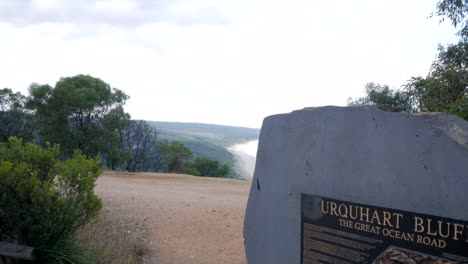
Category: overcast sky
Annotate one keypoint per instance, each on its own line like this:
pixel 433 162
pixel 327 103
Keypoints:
pixel 230 62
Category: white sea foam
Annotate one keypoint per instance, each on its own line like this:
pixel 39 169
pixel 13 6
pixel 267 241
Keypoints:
pixel 245 155
pixel 249 148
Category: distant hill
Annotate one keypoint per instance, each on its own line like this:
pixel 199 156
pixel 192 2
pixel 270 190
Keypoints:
pixel 206 139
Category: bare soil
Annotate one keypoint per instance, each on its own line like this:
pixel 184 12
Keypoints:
pixel 186 219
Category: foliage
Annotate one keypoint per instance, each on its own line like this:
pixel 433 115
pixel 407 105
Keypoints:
pixel 190 171
pixel 113 152
pixel 457 12
pixel 83 112
pixel 72 114
pixel 176 153
pixel 15 119
pixel 207 167
pixel 376 94
pixel 43 201
pixel 445 89
pixel 139 140
pixel 65 251
pixel 159 157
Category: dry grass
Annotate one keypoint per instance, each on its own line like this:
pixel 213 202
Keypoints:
pixel 115 238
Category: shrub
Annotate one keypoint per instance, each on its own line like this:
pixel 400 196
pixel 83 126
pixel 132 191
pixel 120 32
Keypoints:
pixel 191 171
pixel 207 167
pixel 43 201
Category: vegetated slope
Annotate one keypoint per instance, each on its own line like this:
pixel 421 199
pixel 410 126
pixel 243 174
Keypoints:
pixel 206 139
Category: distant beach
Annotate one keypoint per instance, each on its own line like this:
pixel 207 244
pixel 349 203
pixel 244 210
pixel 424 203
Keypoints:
pixel 245 155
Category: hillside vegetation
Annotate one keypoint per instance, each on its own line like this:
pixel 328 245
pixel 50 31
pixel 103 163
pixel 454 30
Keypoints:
pixel 205 139
pixel 83 112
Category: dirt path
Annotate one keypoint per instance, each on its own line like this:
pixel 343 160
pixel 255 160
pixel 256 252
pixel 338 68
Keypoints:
pixel 187 219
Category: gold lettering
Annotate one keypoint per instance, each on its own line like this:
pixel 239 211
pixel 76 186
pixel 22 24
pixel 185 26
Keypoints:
pixel 429 228
pixel 323 210
pixel 418 224
pixel 442 244
pixel 362 214
pixel 398 218
pixel 345 213
pixel 386 219
pixel 419 240
pixel 409 237
pixel 440 229
pixel 457 231
pixel 333 209
pixel 376 216
pixel 351 212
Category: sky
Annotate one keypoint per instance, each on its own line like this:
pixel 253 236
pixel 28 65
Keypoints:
pixel 228 62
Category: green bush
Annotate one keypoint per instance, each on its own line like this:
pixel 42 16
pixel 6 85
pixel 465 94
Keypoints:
pixel 207 167
pixel 191 171
pixel 43 201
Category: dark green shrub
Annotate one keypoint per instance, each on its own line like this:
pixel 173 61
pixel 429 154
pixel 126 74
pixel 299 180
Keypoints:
pixel 43 201
pixel 207 167
pixel 191 171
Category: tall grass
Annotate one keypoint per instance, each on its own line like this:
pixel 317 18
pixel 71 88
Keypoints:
pixel 115 239
pixel 66 252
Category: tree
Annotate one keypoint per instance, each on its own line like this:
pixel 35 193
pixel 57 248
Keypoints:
pixel 457 12
pixel 15 119
pixel 72 113
pixel 176 153
pixel 138 139
pixel 376 94
pixel 114 153
pixel 445 88
pixel 158 157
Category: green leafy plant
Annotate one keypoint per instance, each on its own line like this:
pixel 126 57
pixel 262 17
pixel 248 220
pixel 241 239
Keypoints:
pixel 44 201
pixel 176 154
pixel 376 94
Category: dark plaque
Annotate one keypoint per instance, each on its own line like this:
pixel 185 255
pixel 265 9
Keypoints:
pixel 340 232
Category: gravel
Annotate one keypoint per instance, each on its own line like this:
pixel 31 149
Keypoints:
pixel 186 219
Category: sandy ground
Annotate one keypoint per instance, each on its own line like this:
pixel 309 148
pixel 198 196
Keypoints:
pixel 186 219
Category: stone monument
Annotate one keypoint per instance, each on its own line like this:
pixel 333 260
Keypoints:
pixel 359 185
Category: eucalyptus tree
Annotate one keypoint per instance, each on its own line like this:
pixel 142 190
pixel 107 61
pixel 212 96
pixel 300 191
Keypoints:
pixel 138 139
pixel 73 113
pixel 15 119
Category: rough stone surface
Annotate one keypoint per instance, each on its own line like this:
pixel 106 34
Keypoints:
pixel 366 155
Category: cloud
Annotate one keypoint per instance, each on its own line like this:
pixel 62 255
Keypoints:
pixel 227 62
pixel 128 13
